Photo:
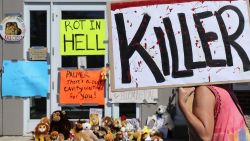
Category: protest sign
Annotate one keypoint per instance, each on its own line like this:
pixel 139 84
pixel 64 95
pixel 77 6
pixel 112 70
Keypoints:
pixel 81 87
pixel 82 37
pixel 160 43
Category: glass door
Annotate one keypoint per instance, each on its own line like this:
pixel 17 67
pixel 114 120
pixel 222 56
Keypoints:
pixel 37 22
pixel 67 11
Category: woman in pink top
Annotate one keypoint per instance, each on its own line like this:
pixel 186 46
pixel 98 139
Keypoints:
pixel 214 115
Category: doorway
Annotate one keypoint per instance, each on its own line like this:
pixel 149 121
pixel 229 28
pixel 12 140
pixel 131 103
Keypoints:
pixel 43 22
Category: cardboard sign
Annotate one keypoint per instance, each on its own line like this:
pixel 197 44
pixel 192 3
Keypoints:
pixel 25 78
pixel 81 87
pixel 12 28
pixel 137 96
pixel 82 37
pixel 158 43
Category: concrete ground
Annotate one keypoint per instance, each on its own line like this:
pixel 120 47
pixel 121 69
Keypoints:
pixel 15 138
pixel 21 138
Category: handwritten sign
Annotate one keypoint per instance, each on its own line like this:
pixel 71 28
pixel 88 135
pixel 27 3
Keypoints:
pixel 81 87
pixel 137 96
pixel 82 37
pixel 158 43
pixel 25 78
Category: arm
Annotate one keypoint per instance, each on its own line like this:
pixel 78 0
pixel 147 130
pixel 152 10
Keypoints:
pixel 201 120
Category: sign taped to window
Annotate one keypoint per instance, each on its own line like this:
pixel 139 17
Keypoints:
pixel 82 37
pixel 81 87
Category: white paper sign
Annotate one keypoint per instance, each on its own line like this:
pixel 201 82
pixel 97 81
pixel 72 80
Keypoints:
pixel 137 96
pixel 165 44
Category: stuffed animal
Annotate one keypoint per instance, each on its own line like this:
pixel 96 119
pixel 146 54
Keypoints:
pixel 104 73
pixel 41 131
pixel 78 127
pixel 135 135
pixel 108 123
pixel 100 131
pixel 109 137
pixel 45 120
pixel 82 136
pixel 87 129
pixel 42 120
pixel 156 136
pixel 161 121
pixel 119 136
pixel 59 122
pixel 55 136
pixel 124 122
pixel 146 133
pixel 117 125
pixel 131 124
pixel 78 133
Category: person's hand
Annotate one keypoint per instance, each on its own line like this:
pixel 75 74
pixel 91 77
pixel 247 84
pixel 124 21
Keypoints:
pixel 183 95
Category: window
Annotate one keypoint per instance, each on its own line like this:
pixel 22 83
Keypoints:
pixel 128 109
pixel 38 37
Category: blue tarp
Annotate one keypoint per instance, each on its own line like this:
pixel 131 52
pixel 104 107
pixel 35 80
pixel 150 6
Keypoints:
pixel 25 78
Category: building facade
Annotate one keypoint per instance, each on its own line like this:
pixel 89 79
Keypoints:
pixel 18 116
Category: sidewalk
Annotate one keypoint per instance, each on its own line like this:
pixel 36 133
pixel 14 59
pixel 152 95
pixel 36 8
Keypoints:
pixel 22 138
pixel 15 138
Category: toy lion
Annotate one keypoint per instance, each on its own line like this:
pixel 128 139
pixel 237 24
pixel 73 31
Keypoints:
pixel 41 131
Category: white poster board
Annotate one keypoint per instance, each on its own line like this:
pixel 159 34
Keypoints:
pixel 177 43
pixel 137 96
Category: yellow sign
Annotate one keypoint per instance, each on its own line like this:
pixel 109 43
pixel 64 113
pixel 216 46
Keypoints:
pixel 82 37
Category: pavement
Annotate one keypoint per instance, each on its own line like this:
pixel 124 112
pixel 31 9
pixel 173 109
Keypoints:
pixel 26 138
pixel 15 138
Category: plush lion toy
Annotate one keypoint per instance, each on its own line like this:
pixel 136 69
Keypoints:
pixel 41 131
pixel 42 120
